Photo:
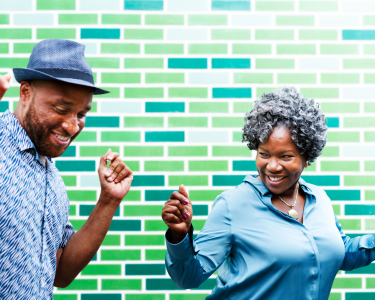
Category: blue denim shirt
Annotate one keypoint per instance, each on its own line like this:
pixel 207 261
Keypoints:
pixel 34 209
pixel 262 253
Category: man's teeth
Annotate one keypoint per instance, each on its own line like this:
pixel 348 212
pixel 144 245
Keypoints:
pixel 275 178
pixel 61 138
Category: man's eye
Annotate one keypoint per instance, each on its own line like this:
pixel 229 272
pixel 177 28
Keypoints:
pixel 81 116
pixel 61 111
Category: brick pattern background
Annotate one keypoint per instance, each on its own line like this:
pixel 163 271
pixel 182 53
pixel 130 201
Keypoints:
pixel 182 74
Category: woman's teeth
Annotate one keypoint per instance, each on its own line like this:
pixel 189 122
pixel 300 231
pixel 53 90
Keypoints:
pixel 274 179
pixel 61 138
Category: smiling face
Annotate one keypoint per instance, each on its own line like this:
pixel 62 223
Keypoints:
pixel 53 113
pixel 279 161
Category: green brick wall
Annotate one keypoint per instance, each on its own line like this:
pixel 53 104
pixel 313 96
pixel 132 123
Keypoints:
pixel 182 74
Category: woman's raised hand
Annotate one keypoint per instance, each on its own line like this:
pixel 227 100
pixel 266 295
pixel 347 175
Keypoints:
pixel 177 214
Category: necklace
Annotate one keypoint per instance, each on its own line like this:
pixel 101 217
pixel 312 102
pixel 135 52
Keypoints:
pixel 292 212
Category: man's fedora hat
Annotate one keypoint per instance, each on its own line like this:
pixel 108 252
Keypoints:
pixel 61 60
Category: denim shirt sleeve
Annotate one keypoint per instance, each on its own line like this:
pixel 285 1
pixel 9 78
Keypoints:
pixel 189 262
pixel 359 251
pixel 68 232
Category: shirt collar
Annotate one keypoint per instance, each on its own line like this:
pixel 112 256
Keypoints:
pixel 17 133
pixel 257 184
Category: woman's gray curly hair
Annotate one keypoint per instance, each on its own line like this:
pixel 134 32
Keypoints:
pixel 287 107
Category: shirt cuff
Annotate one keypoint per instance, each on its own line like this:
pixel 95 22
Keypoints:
pixel 183 249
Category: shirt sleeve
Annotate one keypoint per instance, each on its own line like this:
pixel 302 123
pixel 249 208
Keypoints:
pixel 189 262
pixel 68 232
pixel 359 251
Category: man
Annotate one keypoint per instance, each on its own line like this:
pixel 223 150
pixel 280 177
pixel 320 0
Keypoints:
pixel 38 246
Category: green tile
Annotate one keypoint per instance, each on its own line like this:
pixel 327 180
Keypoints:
pixel 228 122
pixel 369 49
pixel 252 49
pixel 164 48
pixel 369 165
pixel 73 210
pixel 86 136
pixel 208 165
pixel 141 63
pixel 77 19
pixel 77 224
pixel 208 107
pixel 15 33
pixel 253 78
pixel 340 166
pixel 133 165
pixel 370 284
pixel 369 78
pixel 155 225
pixel 336 49
pixel 274 35
pixel 143 34
pixel 359 180
pixel 111 240
pixel 144 240
pixel 165 78
pixel 340 78
pixel 121 19
pixel 329 93
pixel 69 180
pixel 172 166
pixel 331 151
pixel 267 63
pixel 55 33
pixel 242 107
pixel 347 283
pixel 144 269
pixel 120 136
pixel 369 225
pixel 112 255
pixel 295 78
pixel 354 122
pixel 103 62
pixel 4 19
pixel 145 296
pixel 187 151
pixel 318 5
pixel 237 136
pixel 343 107
pixel 365 63
pixel 122 284
pixel 207 49
pixel 274 5
pixel 187 122
pixel 65 297
pixel 82 284
pixel 121 77
pixel 291 49
pixel 207 20
pixel 143 121
pixel 233 151
pixel 101 270
pixel 230 34
pixel 13 62
pixel 369 136
pixel 144 92
pixel 187 92
pixel 187 296
pixel 143 151
pixel 336 209
pixel 55 5
pixel 4 48
pixel 164 19
pixel 120 48
pixel 369 195
pixel 81 195
pixel 155 254
pixel 342 136
pixel 86 151
pixel 188 180
pixel 295 20
pixel 308 35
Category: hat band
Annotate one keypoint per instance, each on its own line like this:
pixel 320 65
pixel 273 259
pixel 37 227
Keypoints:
pixel 73 74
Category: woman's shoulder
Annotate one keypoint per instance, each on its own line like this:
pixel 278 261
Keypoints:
pixel 238 194
pixel 315 190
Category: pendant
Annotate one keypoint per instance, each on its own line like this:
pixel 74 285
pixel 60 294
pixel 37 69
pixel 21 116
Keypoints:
pixel 293 214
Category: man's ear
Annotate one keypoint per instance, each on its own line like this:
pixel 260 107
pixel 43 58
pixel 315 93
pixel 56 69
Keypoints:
pixel 25 92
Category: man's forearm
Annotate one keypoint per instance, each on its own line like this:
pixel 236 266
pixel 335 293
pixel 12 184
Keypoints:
pixel 83 245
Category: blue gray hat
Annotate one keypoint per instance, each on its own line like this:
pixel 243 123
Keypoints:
pixel 61 60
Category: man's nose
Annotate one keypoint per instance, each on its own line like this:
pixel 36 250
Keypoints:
pixel 71 125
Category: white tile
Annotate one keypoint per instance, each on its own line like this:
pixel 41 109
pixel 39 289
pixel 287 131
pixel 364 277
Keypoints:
pixel 358 6
pixel 358 151
pixel 187 5
pixel 319 63
pixel 101 5
pixel 181 34
pixel 120 107
pixel 208 136
pixel 90 180
pixel 209 78
pixel 337 20
pixel 18 5
pixel 90 48
pixel 248 20
pixel 359 93
pixel 33 19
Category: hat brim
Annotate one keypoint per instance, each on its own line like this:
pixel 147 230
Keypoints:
pixel 22 74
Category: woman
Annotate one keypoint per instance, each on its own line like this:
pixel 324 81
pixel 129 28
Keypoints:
pixel 274 236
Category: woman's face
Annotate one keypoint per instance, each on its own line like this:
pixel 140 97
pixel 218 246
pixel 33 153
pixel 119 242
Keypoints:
pixel 279 161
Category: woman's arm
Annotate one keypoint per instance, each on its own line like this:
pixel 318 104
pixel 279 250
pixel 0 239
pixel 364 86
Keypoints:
pixel 189 263
pixel 359 251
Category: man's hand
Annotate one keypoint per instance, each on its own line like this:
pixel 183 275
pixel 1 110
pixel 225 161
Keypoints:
pixel 116 180
pixel 4 84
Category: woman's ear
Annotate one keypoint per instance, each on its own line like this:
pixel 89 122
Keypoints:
pixel 306 164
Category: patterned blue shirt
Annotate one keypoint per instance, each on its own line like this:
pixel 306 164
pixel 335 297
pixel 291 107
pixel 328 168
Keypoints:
pixel 34 209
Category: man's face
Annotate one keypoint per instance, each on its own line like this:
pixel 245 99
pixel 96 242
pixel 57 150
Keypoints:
pixel 54 114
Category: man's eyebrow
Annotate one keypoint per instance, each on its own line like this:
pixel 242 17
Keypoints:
pixel 67 103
